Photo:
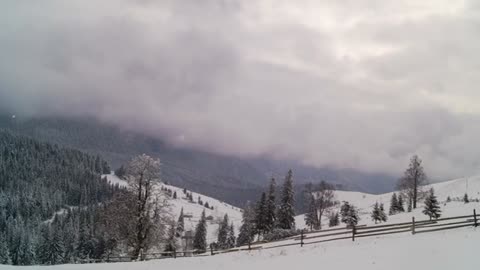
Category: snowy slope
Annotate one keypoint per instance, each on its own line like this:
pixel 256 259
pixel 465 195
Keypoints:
pixel 195 210
pixel 454 249
pixel 454 188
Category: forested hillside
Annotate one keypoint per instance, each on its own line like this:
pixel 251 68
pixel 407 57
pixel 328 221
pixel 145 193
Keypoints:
pixel 230 179
pixel 36 181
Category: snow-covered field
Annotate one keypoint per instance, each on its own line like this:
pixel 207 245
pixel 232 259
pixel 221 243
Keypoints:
pixel 194 210
pixel 455 249
pixel 455 189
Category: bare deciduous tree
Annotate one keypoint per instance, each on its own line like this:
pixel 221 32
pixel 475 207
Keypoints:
pixel 412 181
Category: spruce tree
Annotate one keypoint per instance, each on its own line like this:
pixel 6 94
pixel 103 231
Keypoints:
pixel 200 238
pixel 376 213
pixel 270 210
pixel 260 215
pixel 311 217
pixel 465 198
pixel 4 251
pixel 333 220
pixel 223 229
pixel 180 224
pixel 231 236
pixel 393 205
pixel 247 230
pixel 400 203
pixel 432 207
pixel 383 216
pixel 349 214
pixel 286 212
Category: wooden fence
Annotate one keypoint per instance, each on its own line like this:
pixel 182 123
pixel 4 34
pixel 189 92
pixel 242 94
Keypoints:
pixel 321 236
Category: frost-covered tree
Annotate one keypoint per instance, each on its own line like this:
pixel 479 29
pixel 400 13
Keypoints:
pixel 383 215
pixel 200 237
pixel 231 237
pixel 4 252
pixel 180 224
pixel 223 229
pixel 271 207
pixel 333 219
pixel 376 213
pixel 286 211
pixel 349 214
pixel 324 200
pixel 412 181
pixel 171 244
pixel 432 207
pixel 465 198
pixel 149 208
pixel 311 216
pixel 260 215
pixel 393 205
pixel 247 230
pixel 400 204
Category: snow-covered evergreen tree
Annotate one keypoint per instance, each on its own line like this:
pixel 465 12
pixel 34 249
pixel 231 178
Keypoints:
pixel 400 204
pixel 376 213
pixel 393 205
pixel 247 230
pixel 383 215
pixel 180 224
pixel 286 211
pixel 223 229
pixel 349 214
pixel 231 237
pixel 432 207
pixel 271 207
pixel 171 241
pixel 200 238
pixel 260 215
pixel 334 219
pixel 311 216
pixel 465 198
pixel 4 251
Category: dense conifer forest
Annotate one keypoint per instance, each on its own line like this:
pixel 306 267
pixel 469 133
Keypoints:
pixel 38 180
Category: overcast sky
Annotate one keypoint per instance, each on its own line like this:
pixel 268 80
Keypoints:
pixel 340 83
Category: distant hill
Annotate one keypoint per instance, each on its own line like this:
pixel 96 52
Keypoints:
pixel 230 179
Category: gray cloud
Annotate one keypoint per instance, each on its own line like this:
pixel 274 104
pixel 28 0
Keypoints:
pixel 331 83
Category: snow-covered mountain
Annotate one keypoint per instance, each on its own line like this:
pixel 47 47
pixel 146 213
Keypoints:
pixel 192 210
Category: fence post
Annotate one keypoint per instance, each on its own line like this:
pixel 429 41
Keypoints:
pixel 249 244
pixel 475 217
pixel 301 238
pixel 353 232
pixel 211 249
pixel 413 225
pixel 174 253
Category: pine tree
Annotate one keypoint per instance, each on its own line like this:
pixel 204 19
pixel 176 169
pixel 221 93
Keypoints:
pixel 180 224
pixel 449 199
pixel 376 213
pixel 432 207
pixel 260 215
pixel 311 217
pixel 247 230
pixel 200 238
pixel 465 198
pixel 270 210
pixel 393 205
pixel 223 228
pixel 333 220
pixel 175 195
pixel 349 214
pixel 231 236
pixel 171 244
pixel 286 212
pixel 4 252
pixel 400 203
pixel 383 216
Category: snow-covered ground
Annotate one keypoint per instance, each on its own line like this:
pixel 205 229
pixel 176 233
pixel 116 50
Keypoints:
pixel 194 210
pixel 454 249
pixel 455 189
